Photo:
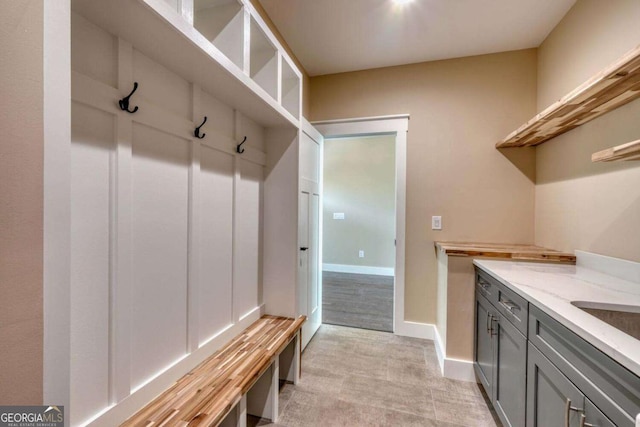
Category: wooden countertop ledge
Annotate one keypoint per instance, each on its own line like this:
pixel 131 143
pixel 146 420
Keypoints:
pixel 505 251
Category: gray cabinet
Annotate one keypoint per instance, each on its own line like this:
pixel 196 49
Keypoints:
pixel 539 373
pixel 510 374
pixel 500 357
pixel 612 391
pixel 552 400
pixel 484 347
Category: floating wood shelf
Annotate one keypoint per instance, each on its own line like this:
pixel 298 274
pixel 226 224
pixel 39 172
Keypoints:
pixel 628 151
pixel 505 251
pixel 613 87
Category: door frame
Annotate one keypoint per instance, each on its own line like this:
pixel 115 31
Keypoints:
pixel 385 125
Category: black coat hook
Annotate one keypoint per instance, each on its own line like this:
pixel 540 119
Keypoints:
pixel 196 132
pixel 239 148
pixel 124 102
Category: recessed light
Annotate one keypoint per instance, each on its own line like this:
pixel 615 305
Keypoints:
pixel 401 2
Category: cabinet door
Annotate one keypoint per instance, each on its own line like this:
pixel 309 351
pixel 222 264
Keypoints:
pixel 510 371
pixel 551 397
pixel 593 417
pixel 484 346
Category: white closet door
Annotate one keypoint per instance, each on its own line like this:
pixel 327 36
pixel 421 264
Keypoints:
pixel 92 148
pixel 309 274
pixel 160 217
pixel 216 265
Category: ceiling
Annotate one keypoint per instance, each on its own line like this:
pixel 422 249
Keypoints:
pixel 333 36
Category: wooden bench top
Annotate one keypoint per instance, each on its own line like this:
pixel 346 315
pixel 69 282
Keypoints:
pixel 204 396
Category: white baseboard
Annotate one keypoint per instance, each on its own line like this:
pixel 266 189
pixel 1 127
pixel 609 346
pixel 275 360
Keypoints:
pixel 119 413
pixel 454 369
pixel 439 350
pixel 359 269
pixel 415 330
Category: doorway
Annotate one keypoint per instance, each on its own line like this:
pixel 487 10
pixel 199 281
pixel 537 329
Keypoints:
pixel 359 231
pixel 395 128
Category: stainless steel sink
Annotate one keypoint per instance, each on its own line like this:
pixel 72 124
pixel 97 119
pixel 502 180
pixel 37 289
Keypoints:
pixel 625 318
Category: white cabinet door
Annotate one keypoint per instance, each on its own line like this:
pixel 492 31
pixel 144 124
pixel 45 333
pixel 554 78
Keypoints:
pixel 309 272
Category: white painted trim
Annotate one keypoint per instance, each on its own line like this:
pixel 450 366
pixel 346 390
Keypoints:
pixel 461 370
pixel 358 269
pixel 454 369
pixel 56 224
pixel 425 331
pixel 398 125
pixel 440 351
pixel 361 119
pixel 119 413
pixel 311 131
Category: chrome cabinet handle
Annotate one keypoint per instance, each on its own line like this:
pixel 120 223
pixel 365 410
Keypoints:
pixel 510 305
pixel 489 315
pixel 567 411
pixel 584 423
pixel 490 319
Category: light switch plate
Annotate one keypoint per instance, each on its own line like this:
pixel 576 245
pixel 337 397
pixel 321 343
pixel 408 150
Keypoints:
pixel 338 215
pixel 361 253
pixel 436 223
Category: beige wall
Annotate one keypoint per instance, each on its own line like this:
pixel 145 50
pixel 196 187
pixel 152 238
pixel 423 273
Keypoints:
pixel 579 204
pixel 459 109
pixel 359 181
pixel 21 174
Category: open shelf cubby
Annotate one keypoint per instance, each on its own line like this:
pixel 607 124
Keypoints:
pixel 222 23
pixel 291 86
pixel 263 60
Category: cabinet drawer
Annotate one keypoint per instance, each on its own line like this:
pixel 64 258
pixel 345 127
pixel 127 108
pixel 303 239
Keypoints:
pixel 610 386
pixel 486 286
pixel 513 307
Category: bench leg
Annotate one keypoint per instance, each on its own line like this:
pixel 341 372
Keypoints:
pixel 241 411
pixel 275 389
pixel 290 361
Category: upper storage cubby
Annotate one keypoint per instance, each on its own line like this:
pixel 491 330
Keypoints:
pixel 263 60
pixel 291 89
pixel 222 46
pixel 222 23
pixel 611 88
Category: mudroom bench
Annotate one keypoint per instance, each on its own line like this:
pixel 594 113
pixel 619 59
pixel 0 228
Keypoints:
pixel 242 378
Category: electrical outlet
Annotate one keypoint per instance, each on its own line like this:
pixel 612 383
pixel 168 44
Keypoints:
pixel 361 254
pixel 338 215
pixel 436 223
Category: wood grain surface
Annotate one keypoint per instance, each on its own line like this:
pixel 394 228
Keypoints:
pixel 204 396
pixel 611 88
pixel 628 151
pixel 507 251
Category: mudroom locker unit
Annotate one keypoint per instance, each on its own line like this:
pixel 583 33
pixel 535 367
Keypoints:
pixel 174 169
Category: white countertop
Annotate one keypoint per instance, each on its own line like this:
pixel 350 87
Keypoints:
pixel 552 287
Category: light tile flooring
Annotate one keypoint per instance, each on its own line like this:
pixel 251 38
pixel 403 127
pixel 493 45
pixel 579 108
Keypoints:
pixel 356 377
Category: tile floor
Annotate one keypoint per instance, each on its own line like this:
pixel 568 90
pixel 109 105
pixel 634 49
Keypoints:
pixel 356 377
